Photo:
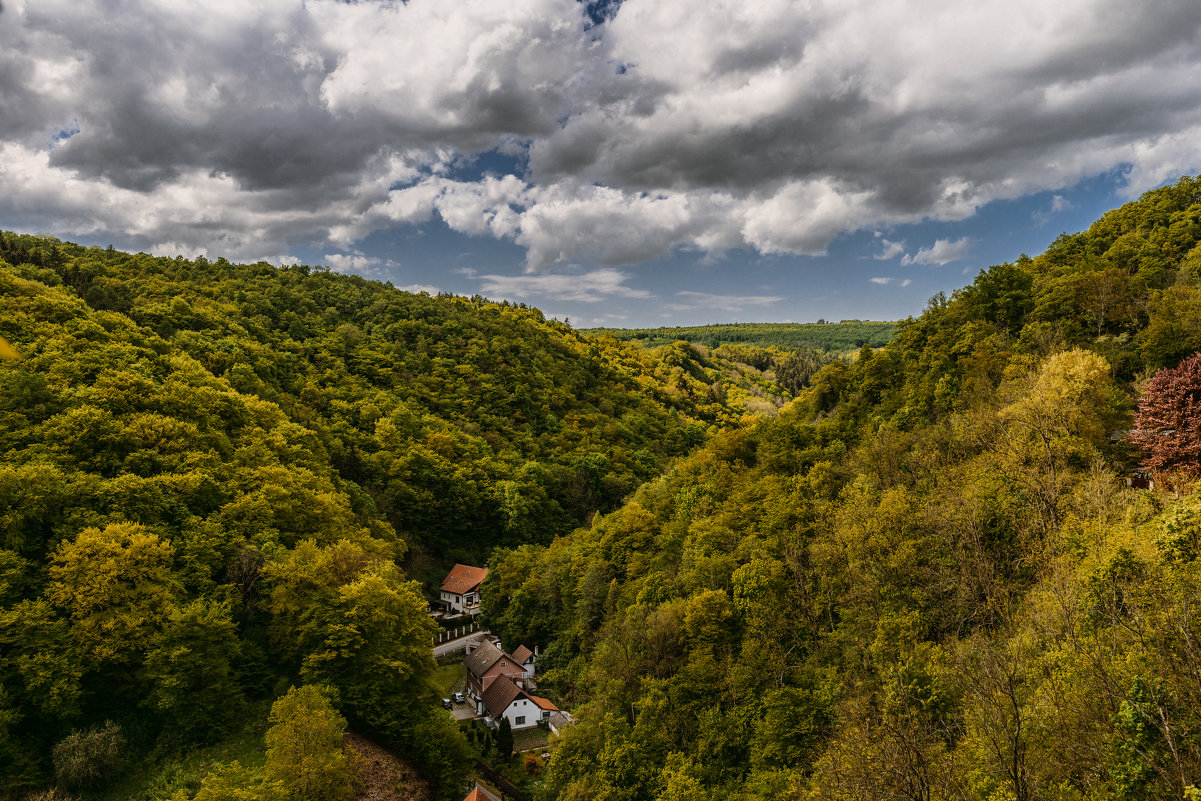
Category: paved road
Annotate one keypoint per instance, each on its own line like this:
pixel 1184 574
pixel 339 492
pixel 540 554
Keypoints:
pixel 450 646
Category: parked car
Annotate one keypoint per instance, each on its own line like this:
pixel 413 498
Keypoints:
pixel 458 698
pixel 446 703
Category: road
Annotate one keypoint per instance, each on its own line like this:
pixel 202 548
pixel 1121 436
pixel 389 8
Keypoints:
pixel 450 646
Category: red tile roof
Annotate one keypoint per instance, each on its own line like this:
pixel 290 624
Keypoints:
pixel 477 795
pixel 522 654
pixel 500 694
pixel 463 578
pixel 545 704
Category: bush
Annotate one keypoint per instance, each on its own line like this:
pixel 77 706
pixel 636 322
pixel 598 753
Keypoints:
pixel 91 757
pixel 53 794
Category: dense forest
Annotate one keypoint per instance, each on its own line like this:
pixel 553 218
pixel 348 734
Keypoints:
pixel 213 475
pixel 821 336
pixel 916 572
pixel 926 578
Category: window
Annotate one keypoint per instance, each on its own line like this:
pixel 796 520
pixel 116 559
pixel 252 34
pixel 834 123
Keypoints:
pixel 519 719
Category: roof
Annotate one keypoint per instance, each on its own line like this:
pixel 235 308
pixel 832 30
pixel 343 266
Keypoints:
pixel 522 654
pixel 558 720
pixel 482 658
pixel 479 794
pixel 463 578
pixel 500 694
pixel 479 661
pixel 544 703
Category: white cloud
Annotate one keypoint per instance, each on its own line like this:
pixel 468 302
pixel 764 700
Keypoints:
pixel 943 251
pixel 589 287
pixel 887 281
pixel 417 289
pixel 247 129
pixel 891 250
pixel 351 262
pixel 726 303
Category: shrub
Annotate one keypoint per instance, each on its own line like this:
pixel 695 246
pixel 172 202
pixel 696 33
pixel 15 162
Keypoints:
pixel 91 757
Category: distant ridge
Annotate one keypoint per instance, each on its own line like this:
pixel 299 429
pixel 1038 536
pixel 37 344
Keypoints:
pixel 842 336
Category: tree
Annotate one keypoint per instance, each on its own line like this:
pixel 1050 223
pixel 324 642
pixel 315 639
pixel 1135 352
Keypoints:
pixel 116 586
pixel 1168 420
pixel 504 739
pixel 189 677
pixel 304 747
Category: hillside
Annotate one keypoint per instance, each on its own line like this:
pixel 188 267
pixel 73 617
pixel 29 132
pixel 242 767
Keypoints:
pixel 921 577
pixel 212 474
pixel 924 579
pixel 839 337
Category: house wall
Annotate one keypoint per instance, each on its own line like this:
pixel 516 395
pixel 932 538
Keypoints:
pixel 522 708
pixel 466 603
pixel 477 683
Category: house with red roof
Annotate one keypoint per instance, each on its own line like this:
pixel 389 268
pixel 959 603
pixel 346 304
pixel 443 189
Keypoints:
pixel 485 664
pixel 461 588
pixel 504 699
pixel 480 794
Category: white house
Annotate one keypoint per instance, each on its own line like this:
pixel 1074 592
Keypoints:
pixel 504 699
pixel 461 588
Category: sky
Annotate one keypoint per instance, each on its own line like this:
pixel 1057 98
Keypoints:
pixel 619 162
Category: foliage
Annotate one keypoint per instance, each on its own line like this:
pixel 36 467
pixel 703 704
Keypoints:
pixel 756 572
pixel 504 739
pixel 836 337
pixel 91 757
pixel 304 747
pixel 1168 420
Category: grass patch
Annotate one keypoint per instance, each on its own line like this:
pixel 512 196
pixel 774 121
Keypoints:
pixel 155 780
pixel 446 677
pixel 529 739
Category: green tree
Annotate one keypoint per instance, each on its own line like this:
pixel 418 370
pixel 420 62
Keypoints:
pixel 304 747
pixel 504 739
pixel 117 588
pixel 189 675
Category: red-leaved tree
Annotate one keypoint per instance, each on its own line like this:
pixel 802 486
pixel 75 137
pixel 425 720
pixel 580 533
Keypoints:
pixel 1168 421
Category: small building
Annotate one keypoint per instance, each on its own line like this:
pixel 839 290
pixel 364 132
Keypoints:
pixel 545 706
pixel 505 700
pixel 559 721
pixel 486 664
pixel 478 793
pixel 525 657
pixel 461 588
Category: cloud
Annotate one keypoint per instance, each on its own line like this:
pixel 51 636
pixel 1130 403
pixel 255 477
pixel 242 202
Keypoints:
pixel 417 289
pixel 351 262
pixel 886 281
pixel 249 129
pixel 891 250
pixel 589 287
pixel 943 251
pixel 727 303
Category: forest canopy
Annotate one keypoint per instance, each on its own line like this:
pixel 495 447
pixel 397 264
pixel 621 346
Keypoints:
pixel 918 571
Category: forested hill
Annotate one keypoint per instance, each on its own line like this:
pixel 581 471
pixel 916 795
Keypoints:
pixel 211 473
pixel 467 423
pixel 926 577
pixel 822 336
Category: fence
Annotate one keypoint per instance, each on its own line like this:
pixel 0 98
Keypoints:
pixel 455 633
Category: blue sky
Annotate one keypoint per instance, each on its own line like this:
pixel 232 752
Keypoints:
pixel 849 282
pixel 616 162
